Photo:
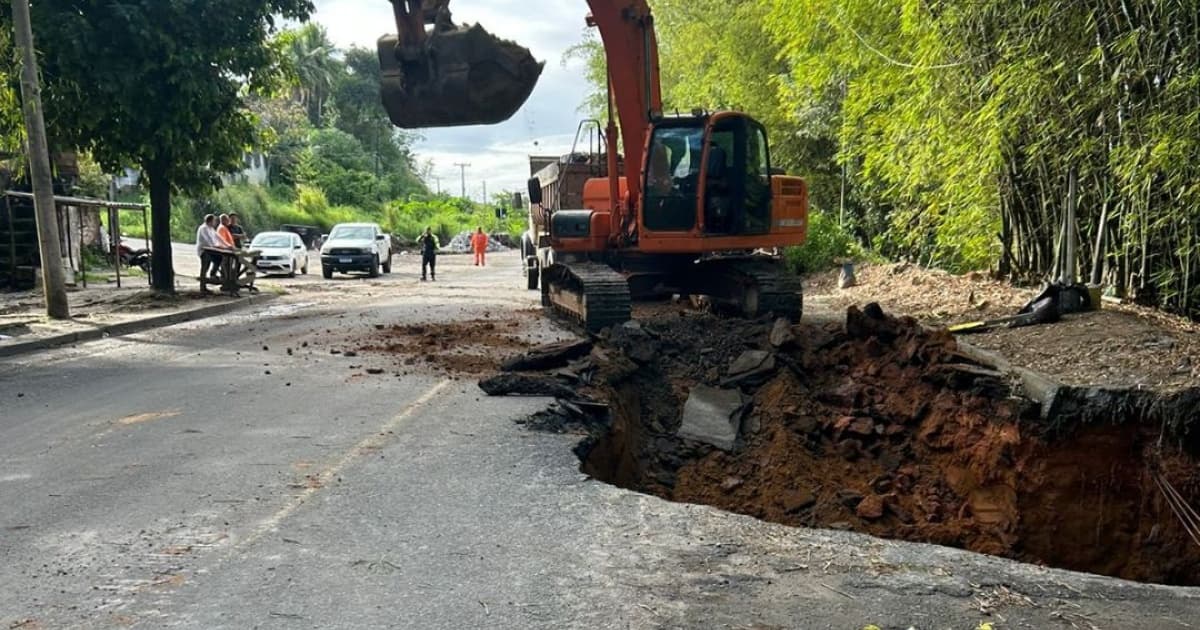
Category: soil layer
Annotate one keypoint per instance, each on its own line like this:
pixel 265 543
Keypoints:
pixel 883 427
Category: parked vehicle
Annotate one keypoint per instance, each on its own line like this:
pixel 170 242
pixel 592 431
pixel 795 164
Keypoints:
pixel 309 234
pixel 356 247
pixel 282 252
pixel 131 257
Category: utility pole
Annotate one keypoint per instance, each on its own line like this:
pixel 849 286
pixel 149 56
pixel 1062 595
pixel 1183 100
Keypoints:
pixel 485 197
pixel 439 184
pixel 57 306
pixel 463 169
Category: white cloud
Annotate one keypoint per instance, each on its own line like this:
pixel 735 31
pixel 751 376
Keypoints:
pixel 497 153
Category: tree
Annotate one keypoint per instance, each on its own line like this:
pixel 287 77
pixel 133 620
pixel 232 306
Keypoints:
pixel 284 130
pixel 160 84
pixel 12 131
pixel 312 68
pixel 359 112
pixel 356 99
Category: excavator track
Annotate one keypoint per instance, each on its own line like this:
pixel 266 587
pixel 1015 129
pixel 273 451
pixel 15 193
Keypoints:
pixel 590 295
pixel 753 286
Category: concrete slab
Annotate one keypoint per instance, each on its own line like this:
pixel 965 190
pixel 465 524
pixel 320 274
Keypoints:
pixel 708 416
pixel 749 361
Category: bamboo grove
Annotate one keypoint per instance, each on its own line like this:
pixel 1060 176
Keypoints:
pixel 946 131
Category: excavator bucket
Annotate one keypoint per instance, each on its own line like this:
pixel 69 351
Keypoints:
pixel 459 75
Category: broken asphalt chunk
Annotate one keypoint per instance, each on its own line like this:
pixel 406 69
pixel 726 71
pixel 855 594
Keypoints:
pixel 524 385
pixel 548 357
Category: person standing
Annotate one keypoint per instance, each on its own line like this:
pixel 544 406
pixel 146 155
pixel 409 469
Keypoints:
pixel 206 241
pixel 223 232
pixel 235 229
pixel 429 248
pixel 479 243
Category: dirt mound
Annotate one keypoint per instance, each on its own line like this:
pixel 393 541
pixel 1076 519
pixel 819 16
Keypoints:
pixel 884 427
pixel 470 347
pixel 1121 345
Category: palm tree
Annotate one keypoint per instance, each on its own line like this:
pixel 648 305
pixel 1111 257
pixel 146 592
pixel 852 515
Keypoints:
pixel 312 63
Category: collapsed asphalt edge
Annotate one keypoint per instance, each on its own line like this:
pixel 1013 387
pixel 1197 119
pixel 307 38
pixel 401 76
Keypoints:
pixel 128 328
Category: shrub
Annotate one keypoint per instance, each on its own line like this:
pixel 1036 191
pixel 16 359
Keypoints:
pixel 828 243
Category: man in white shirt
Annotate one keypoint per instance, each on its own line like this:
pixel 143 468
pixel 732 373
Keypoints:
pixel 206 238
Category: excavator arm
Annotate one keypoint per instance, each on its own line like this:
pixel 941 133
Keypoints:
pixel 451 75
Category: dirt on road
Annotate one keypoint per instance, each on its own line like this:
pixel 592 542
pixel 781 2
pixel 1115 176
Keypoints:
pixel 466 347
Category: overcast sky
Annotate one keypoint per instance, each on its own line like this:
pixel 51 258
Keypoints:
pixel 497 153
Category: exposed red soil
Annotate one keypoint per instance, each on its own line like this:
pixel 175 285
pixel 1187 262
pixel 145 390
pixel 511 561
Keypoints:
pixel 885 428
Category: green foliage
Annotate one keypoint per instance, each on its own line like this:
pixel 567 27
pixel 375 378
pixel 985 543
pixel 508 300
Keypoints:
pixel 310 66
pixel 339 161
pixel 946 132
pixel 284 133
pixel 828 245
pixel 92 181
pixel 311 201
pixel 158 83
pixel 12 130
pixel 590 52
pixel 448 216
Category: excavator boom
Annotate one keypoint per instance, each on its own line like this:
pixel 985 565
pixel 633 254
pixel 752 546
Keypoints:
pixel 690 211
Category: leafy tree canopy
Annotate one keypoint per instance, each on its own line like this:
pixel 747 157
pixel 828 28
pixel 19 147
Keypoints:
pixel 159 84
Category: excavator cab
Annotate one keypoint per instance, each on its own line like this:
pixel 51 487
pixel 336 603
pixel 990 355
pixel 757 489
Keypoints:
pixel 708 171
pixel 450 75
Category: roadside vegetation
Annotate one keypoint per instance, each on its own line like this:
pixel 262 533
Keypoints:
pixel 945 133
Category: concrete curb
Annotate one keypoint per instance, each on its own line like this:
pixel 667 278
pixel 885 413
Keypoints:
pixel 128 328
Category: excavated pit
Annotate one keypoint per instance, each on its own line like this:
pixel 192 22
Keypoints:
pixel 883 427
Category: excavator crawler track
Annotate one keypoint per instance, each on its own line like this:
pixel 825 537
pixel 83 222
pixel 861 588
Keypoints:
pixel 590 295
pixel 755 287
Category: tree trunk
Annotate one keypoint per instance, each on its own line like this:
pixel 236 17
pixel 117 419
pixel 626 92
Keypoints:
pixel 162 270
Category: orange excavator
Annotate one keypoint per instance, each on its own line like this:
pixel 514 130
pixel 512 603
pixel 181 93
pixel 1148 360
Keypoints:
pixel 693 208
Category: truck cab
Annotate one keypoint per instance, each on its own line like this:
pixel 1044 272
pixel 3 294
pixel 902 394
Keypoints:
pixel 360 247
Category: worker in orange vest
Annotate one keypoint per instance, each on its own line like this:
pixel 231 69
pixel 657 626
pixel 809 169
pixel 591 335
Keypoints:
pixel 479 243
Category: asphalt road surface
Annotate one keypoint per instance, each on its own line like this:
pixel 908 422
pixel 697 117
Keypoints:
pixel 203 476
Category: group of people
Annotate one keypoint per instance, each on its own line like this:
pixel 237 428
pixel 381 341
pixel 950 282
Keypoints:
pixel 222 234
pixel 429 243
pixel 216 235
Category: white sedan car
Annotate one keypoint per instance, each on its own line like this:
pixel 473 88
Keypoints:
pixel 282 252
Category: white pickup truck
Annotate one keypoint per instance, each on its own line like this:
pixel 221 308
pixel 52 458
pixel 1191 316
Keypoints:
pixel 356 247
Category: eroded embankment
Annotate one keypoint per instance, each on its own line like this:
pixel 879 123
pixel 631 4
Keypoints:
pixel 883 427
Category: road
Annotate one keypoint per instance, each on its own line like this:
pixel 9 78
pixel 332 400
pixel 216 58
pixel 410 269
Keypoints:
pixel 223 474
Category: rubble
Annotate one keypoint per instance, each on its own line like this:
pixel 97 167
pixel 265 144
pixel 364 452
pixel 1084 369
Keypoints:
pixel 884 427
pixel 711 416
pixel 548 357
pixel 524 385
pixel 461 244
pixel 781 334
